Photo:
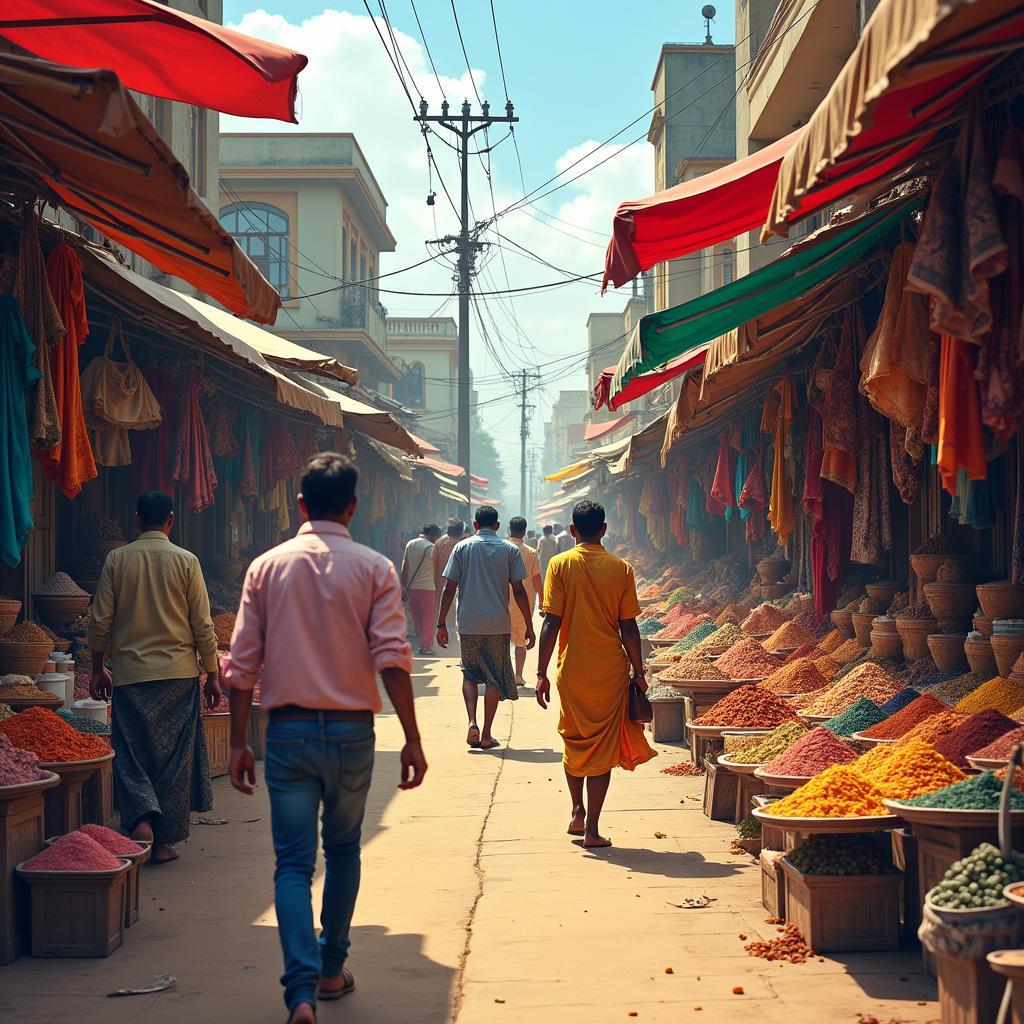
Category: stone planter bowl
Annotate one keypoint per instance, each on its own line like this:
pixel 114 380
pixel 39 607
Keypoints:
pixel 926 567
pixel 952 604
pixel 844 621
pixel 983 625
pixel 1006 649
pixel 887 645
pixel 1001 600
pixel 947 650
pixel 771 570
pixel 980 656
pixel 862 625
pixel 914 633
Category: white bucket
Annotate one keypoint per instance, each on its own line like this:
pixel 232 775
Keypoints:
pixel 53 682
pixel 95 709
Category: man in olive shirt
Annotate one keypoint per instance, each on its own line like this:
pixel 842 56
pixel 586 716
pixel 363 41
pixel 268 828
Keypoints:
pixel 151 613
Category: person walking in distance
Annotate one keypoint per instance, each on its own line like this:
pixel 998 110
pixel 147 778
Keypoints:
pixel 547 548
pixel 590 610
pixel 151 612
pixel 534 589
pixel 482 569
pixel 418 585
pixel 322 615
pixel 563 538
pixel 442 551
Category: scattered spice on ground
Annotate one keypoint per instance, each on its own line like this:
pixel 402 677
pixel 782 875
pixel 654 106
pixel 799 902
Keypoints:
pixel 933 728
pixel 51 738
pixel 684 768
pixel 790 946
pixel 764 619
pixel 114 842
pixel 60 584
pixel 978 793
pixel 795 677
pixel 911 771
pixel 869 681
pixel 978 879
pixel 748 659
pixel 766 748
pixel 720 641
pixel 17 766
pixel 25 633
pixel 1003 747
pixel 811 754
pixel 789 634
pixel 900 723
pixel 900 700
pixel 840 855
pixel 747 707
pixel 1004 695
pixel 954 690
pixel 838 792
pixel 76 851
pixel 978 731
pixel 846 651
pixel 860 715
pixel 693 666
pixel 830 641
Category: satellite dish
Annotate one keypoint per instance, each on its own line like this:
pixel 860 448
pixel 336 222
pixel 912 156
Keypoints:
pixel 708 11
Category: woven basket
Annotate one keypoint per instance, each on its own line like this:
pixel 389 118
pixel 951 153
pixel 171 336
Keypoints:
pixel 883 593
pixel 771 570
pixel 983 625
pixel 980 656
pixel 926 567
pixel 844 621
pixel 887 645
pixel 9 612
pixel 914 633
pixel 60 610
pixel 1006 648
pixel 1001 600
pixel 101 548
pixel 952 604
pixel 947 650
pixel 862 626
pixel 24 659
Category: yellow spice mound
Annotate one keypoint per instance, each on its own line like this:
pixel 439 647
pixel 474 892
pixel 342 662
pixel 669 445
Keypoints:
pixel 873 759
pixel 846 651
pixel 826 666
pixel 830 641
pixel 838 792
pixel 910 771
pixel 1004 695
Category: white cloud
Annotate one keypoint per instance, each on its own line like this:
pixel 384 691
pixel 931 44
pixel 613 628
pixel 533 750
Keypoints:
pixel 350 85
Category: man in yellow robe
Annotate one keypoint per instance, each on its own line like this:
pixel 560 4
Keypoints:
pixel 590 609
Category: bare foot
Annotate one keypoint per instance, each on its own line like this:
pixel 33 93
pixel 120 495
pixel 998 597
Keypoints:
pixel 595 842
pixel 578 825
pixel 143 832
pixel 302 1014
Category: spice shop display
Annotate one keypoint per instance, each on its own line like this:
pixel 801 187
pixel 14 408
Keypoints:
pixel 747 707
pixel 907 718
pixel 51 738
pixel 810 755
pixel 748 659
pixel 860 715
pixel 978 731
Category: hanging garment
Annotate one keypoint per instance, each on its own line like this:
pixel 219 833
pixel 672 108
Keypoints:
pixel 777 417
pixel 722 496
pixel 18 375
pixel 753 499
pixel 696 515
pixel 221 428
pixel 961 438
pixel 904 466
pixel 192 463
pixel 45 327
pixel 930 417
pixel 248 482
pixel 152 449
pixel 872 527
pixel 839 463
pixel 70 463
pixel 961 244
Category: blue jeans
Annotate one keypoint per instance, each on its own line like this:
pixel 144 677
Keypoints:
pixel 309 764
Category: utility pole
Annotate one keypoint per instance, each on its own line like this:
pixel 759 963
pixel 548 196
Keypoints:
pixel 465 127
pixel 526 377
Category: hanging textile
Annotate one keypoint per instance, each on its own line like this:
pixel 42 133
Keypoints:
pixel 753 499
pixel 961 438
pixel 961 244
pixel 930 416
pixel 839 463
pixel 192 463
pixel 221 428
pixel 722 496
pixel 18 374
pixel 69 463
pixel 1017 526
pixel 872 527
pixel 776 420
pixel 152 449
pixel 678 473
pixel 281 458
pixel 904 466
pixel 973 504
pixel 45 328
pixel 696 515
pixel 654 508
pixel 248 482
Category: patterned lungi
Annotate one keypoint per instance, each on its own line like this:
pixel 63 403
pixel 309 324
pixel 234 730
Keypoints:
pixel 486 659
pixel 161 768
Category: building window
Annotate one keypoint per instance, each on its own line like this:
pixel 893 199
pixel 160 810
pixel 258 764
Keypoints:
pixel 410 389
pixel 351 260
pixel 197 148
pixel 261 231
pixel 727 265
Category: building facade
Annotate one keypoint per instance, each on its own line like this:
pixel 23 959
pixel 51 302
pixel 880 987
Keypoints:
pixel 563 433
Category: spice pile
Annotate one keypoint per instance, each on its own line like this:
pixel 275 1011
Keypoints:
pixel 899 701
pixel 763 620
pixel 810 755
pixel 826 666
pixel 921 610
pixel 648 627
pixel 978 879
pixel 846 651
pixel 809 650
pixel 694 637
pixel 840 855
pixel 911 771
pixel 795 677
pixel 812 624
pixel 655 693
pixel 692 666
pixel 51 738
pixel 1002 748
pixel 684 768
pixel 25 690
pixel 788 635
pixel 900 723
pixel 933 728
pixel 111 841
pixel 1004 695
pixel 789 946
pixel 763 749
pixel 978 731
pixel 860 715
pixel 830 641
pixel 60 584
pixel 978 793
pixel 955 689
pixel 77 851
pixel 224 626
pixel 838 792
pixel 747 707
pixel 939 544
pixel 868 680
pixel 17 766
pixel 83 723
pixel 26 633
pixel 720 641
pixel 748 660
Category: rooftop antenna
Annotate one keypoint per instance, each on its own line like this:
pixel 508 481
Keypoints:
pixel 708 12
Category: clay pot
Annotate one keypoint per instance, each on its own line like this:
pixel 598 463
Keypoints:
pixel 980 656
pixel 1001 600
pixel 843 619
pixel 101 548
pixel 887 645
pixel 914 633
pixel 882 592
pixel 9 612
pixel 227 570
pixel 59 610
pixel 773 591
pixel 926 567
pixel 983 625
pixel 947 650
pixel 862 626
pixel 771 570
pixel 952 604
pixel 1006 649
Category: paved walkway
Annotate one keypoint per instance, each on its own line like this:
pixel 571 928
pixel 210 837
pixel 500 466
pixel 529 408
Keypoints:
pixel 477 907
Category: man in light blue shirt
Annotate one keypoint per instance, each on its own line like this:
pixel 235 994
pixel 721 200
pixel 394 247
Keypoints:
pixel 482 569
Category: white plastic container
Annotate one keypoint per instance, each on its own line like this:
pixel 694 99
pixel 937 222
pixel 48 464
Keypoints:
pixel 95 709
pixel 53 682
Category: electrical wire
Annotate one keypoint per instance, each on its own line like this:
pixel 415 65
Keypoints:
pixel 430 56
pixel 462 43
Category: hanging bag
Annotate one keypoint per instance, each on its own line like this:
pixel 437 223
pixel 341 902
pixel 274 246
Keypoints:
pixel 115 395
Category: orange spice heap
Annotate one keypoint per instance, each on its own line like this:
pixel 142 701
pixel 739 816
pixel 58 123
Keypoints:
pixel 50 738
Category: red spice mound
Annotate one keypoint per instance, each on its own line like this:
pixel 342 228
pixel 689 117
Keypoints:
pixel 111 841
pixel 1002 747
pixel 50 738
pixel 808 650
pixel 790 945
pixel 748 707
pixel 747 659
pixel 900 723
pixel 765 618
pixel 978 731
pixel 74 852
pixel 811 754
pixel 17 766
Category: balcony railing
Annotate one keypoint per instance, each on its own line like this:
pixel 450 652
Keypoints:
pixel 359 310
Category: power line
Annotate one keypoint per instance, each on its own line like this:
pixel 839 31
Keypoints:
pixel 430 57
pixel 462 43
pixel 497 44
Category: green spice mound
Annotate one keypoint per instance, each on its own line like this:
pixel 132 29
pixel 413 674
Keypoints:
pixel 840 855
pixel 694 637
pixel 770 746
pixel 981 793
pixel 859 716
pixel 977 880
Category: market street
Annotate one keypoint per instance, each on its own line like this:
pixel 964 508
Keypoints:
pixel 476 906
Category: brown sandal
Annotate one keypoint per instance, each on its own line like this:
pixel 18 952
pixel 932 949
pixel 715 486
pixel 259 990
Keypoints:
pixel 326 995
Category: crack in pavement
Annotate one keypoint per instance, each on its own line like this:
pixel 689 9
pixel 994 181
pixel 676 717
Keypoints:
pixel 460 983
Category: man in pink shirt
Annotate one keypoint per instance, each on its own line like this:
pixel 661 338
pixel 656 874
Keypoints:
pixel 323 616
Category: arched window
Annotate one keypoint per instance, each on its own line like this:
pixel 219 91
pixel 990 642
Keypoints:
pixel 261 231
pixel 410 389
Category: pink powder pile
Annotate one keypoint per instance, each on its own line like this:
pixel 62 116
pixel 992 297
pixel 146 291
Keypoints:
pixel 74 852
pixel 111 841
pixel 17 766
pixel 811 754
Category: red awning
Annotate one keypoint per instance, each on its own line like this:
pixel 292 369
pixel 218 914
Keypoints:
pixel 646 382
pixel 595 431
pixel 450 469
pixel 161 52
pixel 425 446
pixel 695 214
